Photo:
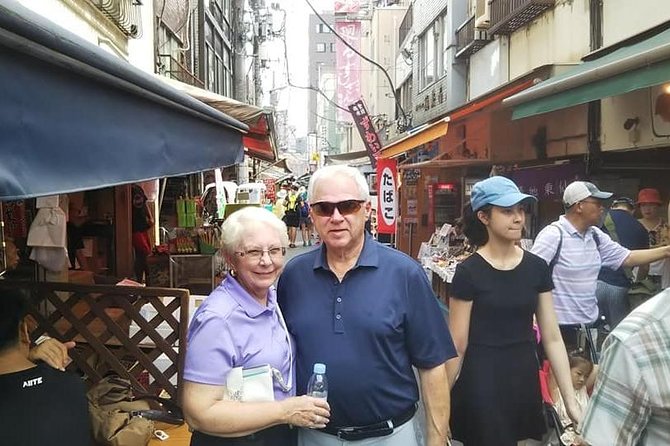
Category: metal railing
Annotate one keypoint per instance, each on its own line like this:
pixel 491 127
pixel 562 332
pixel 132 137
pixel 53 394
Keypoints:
pixel 509 15
pixel 469 39
pixel 169 66
pixel 125 14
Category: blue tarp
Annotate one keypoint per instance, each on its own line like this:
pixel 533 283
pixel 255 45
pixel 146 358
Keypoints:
pixel 74 117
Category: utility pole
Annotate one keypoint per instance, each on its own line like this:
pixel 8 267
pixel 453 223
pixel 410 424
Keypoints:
pixel 260 27
pixel 239 52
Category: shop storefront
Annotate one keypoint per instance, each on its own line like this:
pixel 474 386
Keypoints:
pixel 78 121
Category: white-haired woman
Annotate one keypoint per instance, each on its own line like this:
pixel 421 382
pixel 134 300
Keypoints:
pixel 240 325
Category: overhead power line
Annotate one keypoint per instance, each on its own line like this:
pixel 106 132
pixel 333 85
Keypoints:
pixel 367 59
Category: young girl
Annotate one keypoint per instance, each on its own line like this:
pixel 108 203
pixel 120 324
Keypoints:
pixel 580 371
pixel 496 398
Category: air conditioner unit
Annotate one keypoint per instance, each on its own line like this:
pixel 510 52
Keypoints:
pixel 482 14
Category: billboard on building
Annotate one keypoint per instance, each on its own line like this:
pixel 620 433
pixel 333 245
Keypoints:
pixel 347 6
pixel 348 66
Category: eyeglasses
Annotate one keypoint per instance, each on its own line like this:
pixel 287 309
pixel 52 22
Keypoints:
pixel 346 207
pixel 257 254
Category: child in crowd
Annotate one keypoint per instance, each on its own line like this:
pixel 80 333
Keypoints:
pixel 580 371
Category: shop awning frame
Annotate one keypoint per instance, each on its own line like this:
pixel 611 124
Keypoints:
pixel 260 141
pixel 74 117
pixel 631 67
pixel 419 137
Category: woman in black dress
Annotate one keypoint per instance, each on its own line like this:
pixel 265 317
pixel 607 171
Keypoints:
pixel 496 398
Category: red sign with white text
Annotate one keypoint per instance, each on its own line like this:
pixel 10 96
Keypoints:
pixel 387 195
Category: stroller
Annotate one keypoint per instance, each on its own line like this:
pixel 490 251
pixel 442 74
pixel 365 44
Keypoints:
pixel 557 434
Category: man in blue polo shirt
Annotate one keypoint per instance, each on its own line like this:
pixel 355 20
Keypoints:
pixel 368 312
pixel 577 249
pixel 613 284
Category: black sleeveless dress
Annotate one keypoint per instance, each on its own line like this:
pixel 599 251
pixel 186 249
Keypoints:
pixel 496 400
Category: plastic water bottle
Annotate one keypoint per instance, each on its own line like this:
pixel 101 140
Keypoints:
pixel 317 386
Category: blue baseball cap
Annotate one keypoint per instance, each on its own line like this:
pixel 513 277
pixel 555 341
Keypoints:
pixel 498 191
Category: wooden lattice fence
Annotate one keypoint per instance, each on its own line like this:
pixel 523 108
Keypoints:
pixel 111 330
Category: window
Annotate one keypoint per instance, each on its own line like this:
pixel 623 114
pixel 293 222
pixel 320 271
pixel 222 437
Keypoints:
pixel 322 28
pixel 332 47
pixel 320 47
pixel 445 43
pixel 217 55
pixel 427 58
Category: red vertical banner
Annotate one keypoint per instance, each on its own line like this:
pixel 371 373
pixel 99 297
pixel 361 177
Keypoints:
pixel 387 195
pixel 348 66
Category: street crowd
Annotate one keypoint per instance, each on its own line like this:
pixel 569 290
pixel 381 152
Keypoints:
pixel 369 314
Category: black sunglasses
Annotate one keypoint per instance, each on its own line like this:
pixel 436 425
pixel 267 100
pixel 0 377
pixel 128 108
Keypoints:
pixel 346 207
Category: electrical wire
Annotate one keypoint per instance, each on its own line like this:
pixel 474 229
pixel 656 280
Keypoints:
pixel 288 74
pixel 362 56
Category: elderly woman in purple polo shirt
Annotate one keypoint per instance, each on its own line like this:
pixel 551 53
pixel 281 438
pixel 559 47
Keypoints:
pixel 240 325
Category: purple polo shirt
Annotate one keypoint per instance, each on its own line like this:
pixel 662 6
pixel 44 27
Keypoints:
pixel 231 329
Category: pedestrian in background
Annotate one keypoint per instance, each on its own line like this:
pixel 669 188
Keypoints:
pixel 649 202
pixel 369 314
pixel 494 295
pixel 577 249
pixel 292 214
pixel 613 285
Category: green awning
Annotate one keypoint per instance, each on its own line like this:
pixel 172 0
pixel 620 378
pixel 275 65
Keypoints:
pixel 639 65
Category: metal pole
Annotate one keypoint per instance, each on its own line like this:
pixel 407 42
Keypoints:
pixel 239 40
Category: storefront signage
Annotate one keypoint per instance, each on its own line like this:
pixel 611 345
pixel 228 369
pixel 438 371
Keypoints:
pixel 411 208
pixel 387 195
pixel 366 129
pixel 348 65
pixel 410 176
pixel 547 182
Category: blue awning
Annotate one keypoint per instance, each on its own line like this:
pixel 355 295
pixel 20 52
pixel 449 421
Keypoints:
pixel 74 117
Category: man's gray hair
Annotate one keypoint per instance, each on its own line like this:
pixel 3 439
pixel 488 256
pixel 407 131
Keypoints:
pixel 328 172
pixel 235 227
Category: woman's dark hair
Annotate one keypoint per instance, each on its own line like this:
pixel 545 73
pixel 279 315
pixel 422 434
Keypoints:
pixel 13 308
pixel 473 228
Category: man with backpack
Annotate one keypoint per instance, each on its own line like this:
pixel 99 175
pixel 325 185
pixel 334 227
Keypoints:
pixel 292 214
pixel 614 285
pixel 577 249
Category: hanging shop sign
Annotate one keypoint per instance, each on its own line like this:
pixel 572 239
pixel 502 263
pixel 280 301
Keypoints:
pixel 366 129
pixel 387 195
pixel 348 65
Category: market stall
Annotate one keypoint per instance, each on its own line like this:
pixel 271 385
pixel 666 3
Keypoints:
pixel 440 255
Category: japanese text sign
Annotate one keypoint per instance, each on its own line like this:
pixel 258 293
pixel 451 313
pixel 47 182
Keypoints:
pixel 366 129
pixel 387 196
pixel 348 65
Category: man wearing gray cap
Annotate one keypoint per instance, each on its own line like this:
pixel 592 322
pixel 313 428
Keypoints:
pixel 576 249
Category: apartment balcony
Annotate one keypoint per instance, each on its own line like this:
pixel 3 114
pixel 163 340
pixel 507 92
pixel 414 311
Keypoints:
pixel 125 14
pixel 469 39
pixel 170 67
pixel 405 26
pixel 509 15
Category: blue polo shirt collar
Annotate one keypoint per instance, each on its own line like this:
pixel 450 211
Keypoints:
pixel 369 255
pixel 246 301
